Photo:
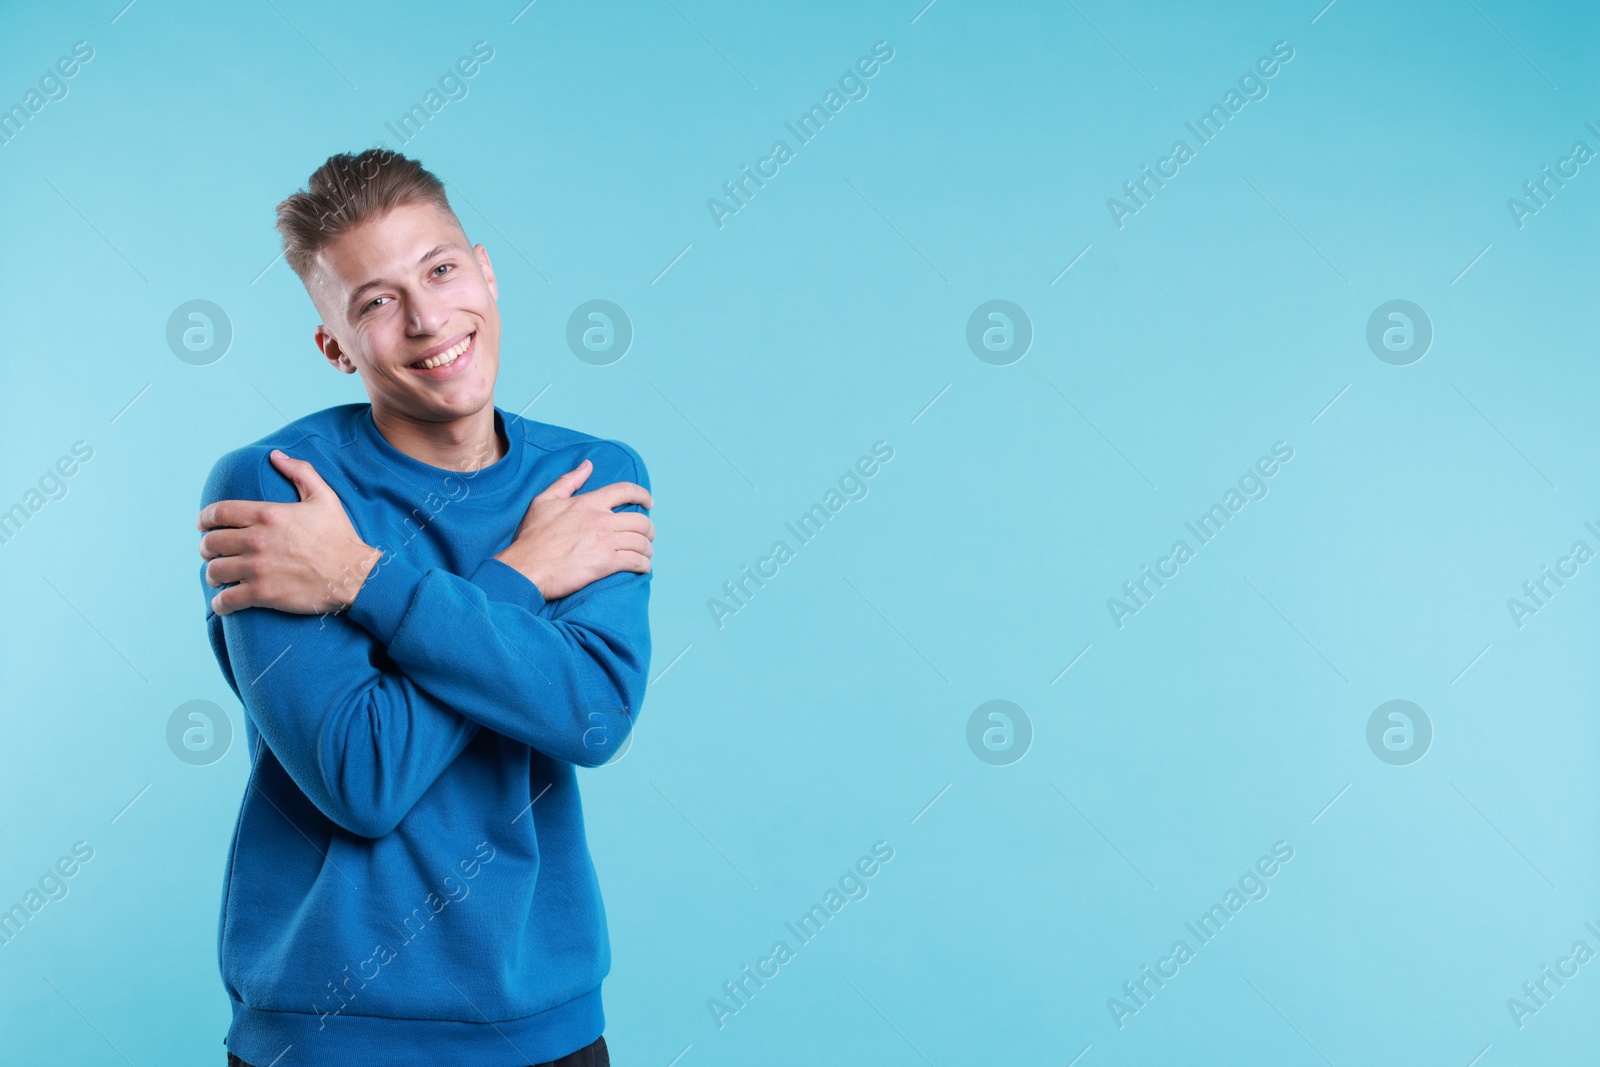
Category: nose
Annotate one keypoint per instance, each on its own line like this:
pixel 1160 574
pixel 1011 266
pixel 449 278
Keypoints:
pixel 427 313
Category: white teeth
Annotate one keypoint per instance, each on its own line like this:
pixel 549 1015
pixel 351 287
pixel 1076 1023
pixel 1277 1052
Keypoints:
pixel 444 359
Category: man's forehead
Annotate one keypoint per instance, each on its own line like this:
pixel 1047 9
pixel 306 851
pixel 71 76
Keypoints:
pixel 385 247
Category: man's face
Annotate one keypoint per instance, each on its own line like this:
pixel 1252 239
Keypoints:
pixel 403 288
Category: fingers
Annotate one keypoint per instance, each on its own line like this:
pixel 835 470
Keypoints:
pixel 618 494
pixel 231 513
pixel 307 482
pixel 568 483
pixel 634 522
pixel 635 543
pixel 633 561
pixel 238 513
pixel 227 541
pixel 225 570
pixel 232 599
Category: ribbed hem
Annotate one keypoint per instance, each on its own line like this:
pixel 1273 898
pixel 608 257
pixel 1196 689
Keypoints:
pixel 503 582
pixel 384 597
pixel 260 1037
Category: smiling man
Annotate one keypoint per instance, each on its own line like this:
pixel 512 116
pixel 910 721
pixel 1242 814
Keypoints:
pixel 429 627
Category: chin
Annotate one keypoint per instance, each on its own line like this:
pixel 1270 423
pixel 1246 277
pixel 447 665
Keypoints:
pixel 443 409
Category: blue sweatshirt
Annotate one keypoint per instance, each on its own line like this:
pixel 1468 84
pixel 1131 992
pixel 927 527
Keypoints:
pixel 409 881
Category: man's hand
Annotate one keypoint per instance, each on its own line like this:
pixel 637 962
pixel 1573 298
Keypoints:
pixel 304 558
pixel 565 541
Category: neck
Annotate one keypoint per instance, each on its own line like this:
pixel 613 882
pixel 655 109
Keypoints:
pixel 466 444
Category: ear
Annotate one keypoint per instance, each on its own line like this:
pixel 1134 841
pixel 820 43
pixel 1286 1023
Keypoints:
pixel 488 270
pixel 329 346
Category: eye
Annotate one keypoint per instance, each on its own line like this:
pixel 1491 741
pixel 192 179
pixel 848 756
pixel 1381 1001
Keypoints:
pixel 443 266
pixel 374 303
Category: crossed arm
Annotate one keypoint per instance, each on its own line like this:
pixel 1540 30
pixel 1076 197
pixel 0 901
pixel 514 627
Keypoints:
pixel 366 708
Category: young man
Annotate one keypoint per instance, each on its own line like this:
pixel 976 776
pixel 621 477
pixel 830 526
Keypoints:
pixel 428 626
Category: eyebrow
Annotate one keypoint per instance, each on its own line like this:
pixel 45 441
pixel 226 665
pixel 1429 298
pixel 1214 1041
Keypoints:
pixel 378 283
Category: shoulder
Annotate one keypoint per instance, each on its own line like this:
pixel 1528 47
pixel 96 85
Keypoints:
pixel 613 460
pixel 247 473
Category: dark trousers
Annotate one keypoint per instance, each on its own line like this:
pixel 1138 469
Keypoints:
pixel 594 1055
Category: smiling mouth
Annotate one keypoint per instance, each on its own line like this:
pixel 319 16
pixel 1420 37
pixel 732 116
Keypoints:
pixel 447 357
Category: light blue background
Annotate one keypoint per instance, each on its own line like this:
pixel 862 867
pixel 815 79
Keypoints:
pixel 823 317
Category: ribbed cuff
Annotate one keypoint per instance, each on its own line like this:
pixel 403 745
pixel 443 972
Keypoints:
pixel 381 604
pixel 503 582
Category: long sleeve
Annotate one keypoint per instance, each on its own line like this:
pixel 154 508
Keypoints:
pixel 567 681
pixel 361 739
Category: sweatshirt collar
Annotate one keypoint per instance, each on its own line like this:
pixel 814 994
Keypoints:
pixel 496 478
